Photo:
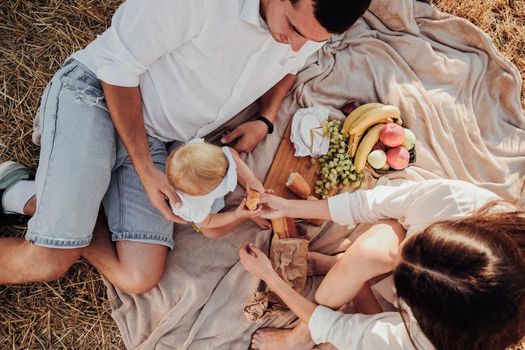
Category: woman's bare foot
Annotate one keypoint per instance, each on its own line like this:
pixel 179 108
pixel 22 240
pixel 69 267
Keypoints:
pixel 283 339
pixel 262 223
pixel 320 264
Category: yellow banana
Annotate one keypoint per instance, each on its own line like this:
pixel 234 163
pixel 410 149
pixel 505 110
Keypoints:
pixel 365 146
pixel 375 116
pixel 355 114
pixel 353 142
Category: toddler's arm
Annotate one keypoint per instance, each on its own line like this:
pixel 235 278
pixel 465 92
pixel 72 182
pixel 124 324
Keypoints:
pixel 217 225
pixel 245 176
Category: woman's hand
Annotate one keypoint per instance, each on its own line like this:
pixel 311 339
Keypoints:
pixel 273 206
pixel 256 262
pixel 243 213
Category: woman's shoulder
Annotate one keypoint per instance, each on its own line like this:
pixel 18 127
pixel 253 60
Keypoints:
pixel 443 199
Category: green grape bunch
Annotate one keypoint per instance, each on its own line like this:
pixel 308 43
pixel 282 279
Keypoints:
pixel 337 170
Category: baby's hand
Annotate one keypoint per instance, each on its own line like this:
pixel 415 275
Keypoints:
pixel 243 213
pixel 256 185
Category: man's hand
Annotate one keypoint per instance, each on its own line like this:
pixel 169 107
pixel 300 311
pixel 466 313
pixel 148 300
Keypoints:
pixel 161 194
pixel 248 135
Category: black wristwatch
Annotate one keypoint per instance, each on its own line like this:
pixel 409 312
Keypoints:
pixel 268 123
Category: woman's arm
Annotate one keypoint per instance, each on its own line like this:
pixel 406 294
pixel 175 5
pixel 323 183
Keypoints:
pixel 277 207
pixel 257 263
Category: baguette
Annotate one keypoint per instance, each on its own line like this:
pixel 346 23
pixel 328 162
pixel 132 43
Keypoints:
pixel 284 228
pixel 253 200
pixel 298 185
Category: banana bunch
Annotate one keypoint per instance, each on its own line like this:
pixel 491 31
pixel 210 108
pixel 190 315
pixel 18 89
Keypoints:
pixel 362 127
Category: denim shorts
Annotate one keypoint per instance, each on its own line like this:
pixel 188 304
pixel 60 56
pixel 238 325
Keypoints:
pixel 84 164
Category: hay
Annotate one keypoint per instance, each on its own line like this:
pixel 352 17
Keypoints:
pixel 35 38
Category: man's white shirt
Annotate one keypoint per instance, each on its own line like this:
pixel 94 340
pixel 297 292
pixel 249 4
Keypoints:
pixel 197 62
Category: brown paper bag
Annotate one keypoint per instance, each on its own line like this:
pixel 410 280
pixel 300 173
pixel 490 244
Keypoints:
pixel 289 259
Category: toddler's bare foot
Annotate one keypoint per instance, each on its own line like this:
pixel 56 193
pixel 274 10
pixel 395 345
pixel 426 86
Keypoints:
pixel 262 223
pixel 283 339
pixel 320 264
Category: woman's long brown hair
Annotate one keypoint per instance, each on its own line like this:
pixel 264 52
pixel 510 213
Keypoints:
pixel 464 280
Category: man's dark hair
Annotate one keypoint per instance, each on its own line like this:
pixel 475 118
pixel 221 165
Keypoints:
pixel 336 16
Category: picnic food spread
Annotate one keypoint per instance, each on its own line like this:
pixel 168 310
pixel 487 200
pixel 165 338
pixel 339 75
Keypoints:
pixel 371 133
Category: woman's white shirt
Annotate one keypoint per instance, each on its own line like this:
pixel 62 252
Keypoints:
pixel 416 205
pixel 357 331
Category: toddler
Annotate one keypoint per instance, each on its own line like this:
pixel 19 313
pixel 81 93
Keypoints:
pixel 202 174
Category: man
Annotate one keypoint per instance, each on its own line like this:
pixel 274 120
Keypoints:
pixel 166 70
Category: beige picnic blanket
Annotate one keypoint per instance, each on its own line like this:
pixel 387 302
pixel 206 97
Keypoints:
pixel 458 94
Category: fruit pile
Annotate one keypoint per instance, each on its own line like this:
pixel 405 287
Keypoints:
pixel 375 135
pixel 337 170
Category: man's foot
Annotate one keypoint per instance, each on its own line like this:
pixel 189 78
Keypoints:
pixel 11 173
pixel 283 339
pixel 320 264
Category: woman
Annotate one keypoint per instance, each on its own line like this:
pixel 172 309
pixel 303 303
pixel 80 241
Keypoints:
pixel 459 274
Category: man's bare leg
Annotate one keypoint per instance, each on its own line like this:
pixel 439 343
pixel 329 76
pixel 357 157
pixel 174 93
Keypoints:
pixel 22 262
pixel 131 266
pixel 283 339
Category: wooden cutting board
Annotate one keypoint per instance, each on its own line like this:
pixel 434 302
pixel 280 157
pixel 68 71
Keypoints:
pixel 284 163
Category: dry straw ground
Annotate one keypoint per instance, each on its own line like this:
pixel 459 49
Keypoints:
pixel 35 37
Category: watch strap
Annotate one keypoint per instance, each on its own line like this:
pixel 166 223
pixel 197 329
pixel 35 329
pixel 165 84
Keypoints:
pixel 266 121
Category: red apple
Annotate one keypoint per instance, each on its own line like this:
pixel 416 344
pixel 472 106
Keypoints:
pixel 397 157
pixel 392 135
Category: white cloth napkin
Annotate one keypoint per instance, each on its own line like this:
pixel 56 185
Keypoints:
pixel 307 132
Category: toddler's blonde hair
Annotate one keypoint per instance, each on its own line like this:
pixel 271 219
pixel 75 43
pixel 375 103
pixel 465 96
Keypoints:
pixel 197 168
